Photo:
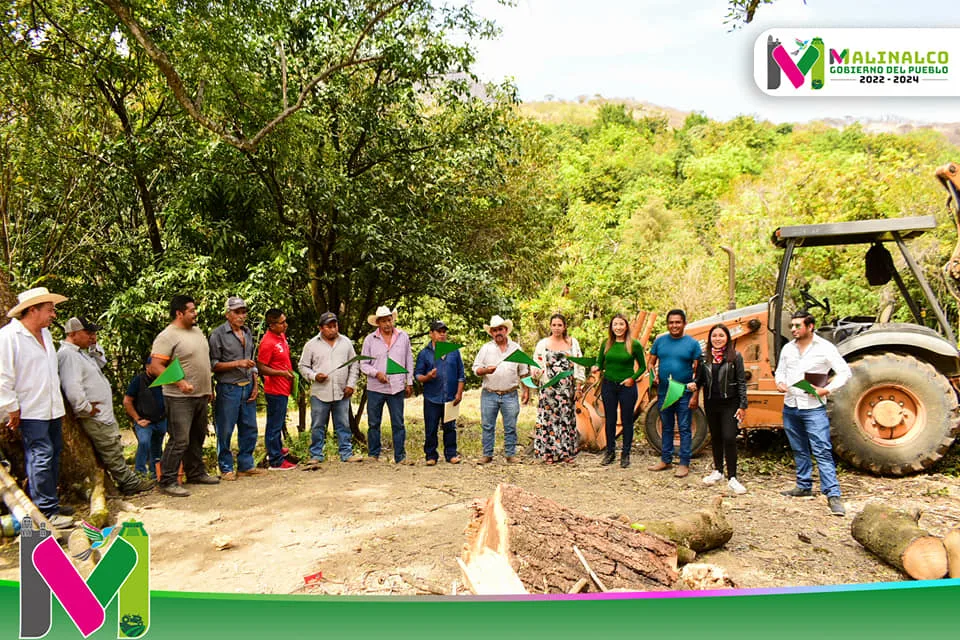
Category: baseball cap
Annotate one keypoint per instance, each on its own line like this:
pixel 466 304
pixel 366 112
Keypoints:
pixel 437 325
pixel 327 317
pixel 80 324
pixel 235 302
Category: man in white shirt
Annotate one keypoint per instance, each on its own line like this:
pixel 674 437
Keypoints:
pixel 810 357
pixel 500 383
pixel 331 386
pixel 88 392
pixel 30 397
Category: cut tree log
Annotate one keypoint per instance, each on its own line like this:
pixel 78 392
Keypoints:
pixel 951 542
pixel 894 537
pixel 18 503
pixel 535 536
pixel 98 501
pixel 83 557
pixel 693 532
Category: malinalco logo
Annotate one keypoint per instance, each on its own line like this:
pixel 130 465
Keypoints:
pixel 857 62
pixel 122 572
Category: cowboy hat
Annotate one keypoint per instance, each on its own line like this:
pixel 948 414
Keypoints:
pixel 497 321
pixel 382 312
pixel 31 297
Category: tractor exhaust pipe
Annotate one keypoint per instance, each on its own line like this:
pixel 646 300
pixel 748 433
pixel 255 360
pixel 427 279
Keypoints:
pixel 731 280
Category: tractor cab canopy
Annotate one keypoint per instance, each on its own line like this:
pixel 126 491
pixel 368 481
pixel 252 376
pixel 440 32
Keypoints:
pixel 880 268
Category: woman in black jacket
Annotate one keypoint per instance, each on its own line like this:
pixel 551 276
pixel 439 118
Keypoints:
pixel 721 376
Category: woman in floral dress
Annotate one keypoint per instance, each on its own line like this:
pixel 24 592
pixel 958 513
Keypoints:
pixel 556 438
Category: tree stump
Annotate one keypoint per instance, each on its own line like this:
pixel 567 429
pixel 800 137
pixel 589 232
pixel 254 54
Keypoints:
pixel 699 531
pixel 894 537
pixel 537 535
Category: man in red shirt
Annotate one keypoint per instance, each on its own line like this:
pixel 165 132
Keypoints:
pixel 273 362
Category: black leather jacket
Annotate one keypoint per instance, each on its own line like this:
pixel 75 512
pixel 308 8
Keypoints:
pixel 733 381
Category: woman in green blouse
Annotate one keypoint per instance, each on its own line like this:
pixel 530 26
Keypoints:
pixel 622 362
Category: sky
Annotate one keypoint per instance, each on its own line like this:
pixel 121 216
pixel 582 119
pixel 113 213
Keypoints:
pixel 681 54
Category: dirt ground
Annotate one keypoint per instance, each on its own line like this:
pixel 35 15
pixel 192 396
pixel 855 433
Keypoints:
pixel 382 528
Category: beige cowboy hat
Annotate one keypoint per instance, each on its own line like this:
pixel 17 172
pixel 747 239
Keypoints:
pixel 31 297
pixel 382 312
pixel 497 321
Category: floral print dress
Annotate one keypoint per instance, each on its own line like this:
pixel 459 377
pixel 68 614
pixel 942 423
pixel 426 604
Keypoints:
pixel 556 438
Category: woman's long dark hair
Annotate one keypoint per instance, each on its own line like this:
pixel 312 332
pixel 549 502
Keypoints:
pixel 627 341
pixel 729 351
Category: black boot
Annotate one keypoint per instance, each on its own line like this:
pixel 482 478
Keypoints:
pixel 624 459
pixel 609 457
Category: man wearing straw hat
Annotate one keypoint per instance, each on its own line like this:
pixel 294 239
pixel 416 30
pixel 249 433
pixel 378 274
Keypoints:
pixel 186 399
pixel 388 341
pixel 501 379
pixel 88 392
pixel 30 397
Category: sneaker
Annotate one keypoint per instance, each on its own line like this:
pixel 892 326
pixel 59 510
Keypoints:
pixel 286 465
pixel 836 506
pixel 175 490
pixel 58 521
pixel 736 487
pixel 608 458
pixel 284 451
pixel 204 479
pixel 66 510
pixel 140 487
pixel 624 460
pixel 682 471
pixel 797 492
pixel 251 472
pixel 660 466
pixel 229 475
pixel 713 478
pixel 354 459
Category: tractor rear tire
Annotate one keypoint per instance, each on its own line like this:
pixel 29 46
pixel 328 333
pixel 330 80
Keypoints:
pixel 896 416
pixel 654 430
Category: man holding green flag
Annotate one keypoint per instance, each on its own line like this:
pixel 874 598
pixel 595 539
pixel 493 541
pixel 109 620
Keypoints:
pixel 440 370
pixel 186 399
pixel 809 358
pixel 273 362
pixel 501 365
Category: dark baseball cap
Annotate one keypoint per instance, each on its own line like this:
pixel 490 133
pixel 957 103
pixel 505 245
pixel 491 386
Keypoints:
pixel 327 317
pixel 438 325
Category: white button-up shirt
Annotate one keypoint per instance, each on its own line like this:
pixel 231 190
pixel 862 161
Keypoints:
pixel 84 384
pixel 820 357
pixel 28 374
pixel 320 357
pixel 508 374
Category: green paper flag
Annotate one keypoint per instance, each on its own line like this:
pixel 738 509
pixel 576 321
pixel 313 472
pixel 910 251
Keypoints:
pixel 394 367
pixel 528 381
pixel 355 359
pixel 295 387
pixel 520 357
pixel 173 373
pixel 675 391
pixel 443 348
pixel 582 361
pixel 805 385
pixel 557 378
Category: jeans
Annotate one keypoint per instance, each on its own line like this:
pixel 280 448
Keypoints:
pixel 678 413
pixel 320 412
pixel 375 402
pixel 722 420
pixel 232 409
pixel 42 444
pixel 616 395
pixel 508 405
pixel 149 447
pixel 432 417
pixel 808 431
pixel 273 433
pixel 187 426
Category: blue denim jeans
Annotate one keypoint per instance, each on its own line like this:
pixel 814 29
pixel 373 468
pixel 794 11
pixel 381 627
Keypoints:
pixel 320 413
pixel 678 414
pixel 375 402
pixel 432 417
pixel 149 447
pixel 616 395
pixel 273 433
pixel 808 431
pixel 232 409
pixel 507 405
pixel 42 444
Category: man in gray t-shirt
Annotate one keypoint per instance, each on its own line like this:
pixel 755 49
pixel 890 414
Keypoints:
pixel 186 399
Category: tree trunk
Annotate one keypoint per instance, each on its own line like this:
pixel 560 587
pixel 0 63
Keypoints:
pixel 700 531
pixel 895 538
pixel 951 543
pixel 537 536
pixel 98 501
